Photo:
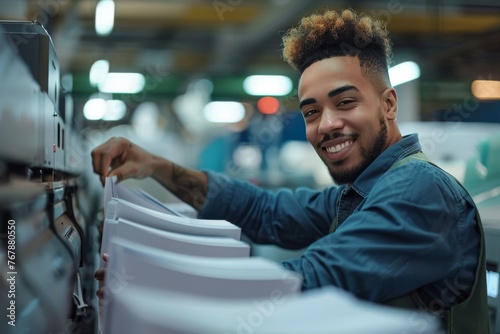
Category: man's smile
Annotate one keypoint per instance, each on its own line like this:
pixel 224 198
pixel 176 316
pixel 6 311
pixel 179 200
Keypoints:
pixel 339 147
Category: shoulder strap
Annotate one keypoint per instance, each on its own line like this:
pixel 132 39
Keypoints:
pixel 471 315
pixel 419 156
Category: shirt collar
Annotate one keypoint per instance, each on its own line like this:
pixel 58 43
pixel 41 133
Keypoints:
pixel 409 144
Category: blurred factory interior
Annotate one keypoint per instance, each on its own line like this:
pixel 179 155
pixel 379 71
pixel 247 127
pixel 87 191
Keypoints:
pixel 203 83
pixel 191 52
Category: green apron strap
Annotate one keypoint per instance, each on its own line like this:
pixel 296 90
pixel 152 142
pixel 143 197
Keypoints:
pixel 471 315
pixel 334 224
pixel 405 160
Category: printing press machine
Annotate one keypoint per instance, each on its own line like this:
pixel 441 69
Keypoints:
pixel 48 226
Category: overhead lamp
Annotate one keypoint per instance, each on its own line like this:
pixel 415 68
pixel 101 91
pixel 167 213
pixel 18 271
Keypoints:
pixel 125 83
pixel 107 110
pixel 271 85
pixel 224 112
pixel 104 17
pixel 115 110
pixel 94 109
pixel 404 72
pixel 98 71
pixel 486 89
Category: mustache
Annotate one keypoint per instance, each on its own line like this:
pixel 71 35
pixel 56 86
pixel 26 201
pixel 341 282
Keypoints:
pixel 336 135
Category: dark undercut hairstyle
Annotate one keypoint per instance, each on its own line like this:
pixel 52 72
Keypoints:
pixel 331 34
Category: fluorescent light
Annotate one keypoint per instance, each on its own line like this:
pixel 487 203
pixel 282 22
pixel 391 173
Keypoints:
pixel 104 17
pixel 98 71
pixel 224 112
pixel 486 89
pixel 126 83
pixel 404 72
pixel 115 110
pixel 94 109
pixel 273 85
pixel 107 110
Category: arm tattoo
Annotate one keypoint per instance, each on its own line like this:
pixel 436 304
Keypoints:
pixel 188 188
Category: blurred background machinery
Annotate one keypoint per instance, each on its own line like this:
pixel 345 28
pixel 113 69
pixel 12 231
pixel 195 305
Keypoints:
pixel 48 218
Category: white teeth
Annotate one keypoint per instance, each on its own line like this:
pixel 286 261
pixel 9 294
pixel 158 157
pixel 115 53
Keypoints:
pixel 336 148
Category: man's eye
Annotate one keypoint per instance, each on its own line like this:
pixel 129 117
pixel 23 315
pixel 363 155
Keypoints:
pixel 309 113
pixel 345 102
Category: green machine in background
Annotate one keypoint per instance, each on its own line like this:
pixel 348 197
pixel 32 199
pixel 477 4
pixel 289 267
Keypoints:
pixel 482 179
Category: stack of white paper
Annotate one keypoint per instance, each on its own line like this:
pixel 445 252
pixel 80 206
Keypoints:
pixel 133 195
pixel 132 264
pixel 321 311
pixel 173 242
pixel 249 277
pixel 119 208
pixel 134 215
pixel 151 213
pixel 182 209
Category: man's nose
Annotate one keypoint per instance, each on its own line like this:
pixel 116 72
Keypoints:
pixel 330 121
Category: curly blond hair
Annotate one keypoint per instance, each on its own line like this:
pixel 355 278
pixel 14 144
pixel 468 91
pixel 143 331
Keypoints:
pixel 331 34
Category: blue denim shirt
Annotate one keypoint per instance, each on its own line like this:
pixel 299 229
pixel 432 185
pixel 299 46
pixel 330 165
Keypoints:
pixel 398 230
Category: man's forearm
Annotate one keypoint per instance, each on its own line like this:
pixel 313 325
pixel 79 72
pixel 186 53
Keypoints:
pixel 189 185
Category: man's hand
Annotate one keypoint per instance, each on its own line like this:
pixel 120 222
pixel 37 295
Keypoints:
pixel 121 158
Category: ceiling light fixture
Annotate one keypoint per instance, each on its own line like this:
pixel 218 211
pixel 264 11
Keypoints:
pixel 486 89
pixel 98 72
pixel 404 72
pixel 224 112
pixel 104 17
pixel 94 109
pixel 107 110
pixel 270 85
pixel 115 110
pixel 125 83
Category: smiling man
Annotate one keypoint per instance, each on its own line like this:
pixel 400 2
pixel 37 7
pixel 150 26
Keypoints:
pixel 344 89
pixel 395 229
pixel 339 103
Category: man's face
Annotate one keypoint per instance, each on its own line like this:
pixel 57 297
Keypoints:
pixel 344 116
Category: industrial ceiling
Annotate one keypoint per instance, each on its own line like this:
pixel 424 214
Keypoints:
pixel 176 41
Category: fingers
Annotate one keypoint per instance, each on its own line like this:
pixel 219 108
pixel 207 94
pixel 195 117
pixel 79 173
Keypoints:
pixel 128 169
pixel 100 293
pixel 114 151
pixel 121 158
pixel 106 154
pixel 96 155
pixel 100 274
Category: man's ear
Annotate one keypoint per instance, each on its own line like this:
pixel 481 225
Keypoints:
pixel 390 103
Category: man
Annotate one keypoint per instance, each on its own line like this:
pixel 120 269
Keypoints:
pixel 395 230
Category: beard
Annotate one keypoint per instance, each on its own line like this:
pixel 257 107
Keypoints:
pixel 367 157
